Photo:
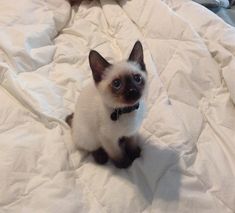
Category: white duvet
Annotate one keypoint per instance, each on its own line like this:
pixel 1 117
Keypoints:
pixel 188 158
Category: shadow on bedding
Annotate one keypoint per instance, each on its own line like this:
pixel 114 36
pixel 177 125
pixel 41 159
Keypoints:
pixel 155 176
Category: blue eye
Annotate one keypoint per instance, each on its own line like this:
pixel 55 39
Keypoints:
pixel 116 83
pixel 137 78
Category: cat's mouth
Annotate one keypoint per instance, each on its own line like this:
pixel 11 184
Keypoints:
pixel 128 99
pixel 125 103
pixel 132 95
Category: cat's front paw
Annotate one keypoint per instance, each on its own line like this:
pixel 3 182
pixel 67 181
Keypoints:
pixel 100 156
pixel 123 163
pixel 130 148
pixel 133 152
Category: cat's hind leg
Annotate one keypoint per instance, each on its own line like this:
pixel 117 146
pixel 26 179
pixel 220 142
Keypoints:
pixel 100 156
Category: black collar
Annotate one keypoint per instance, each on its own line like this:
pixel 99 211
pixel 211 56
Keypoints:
pixel 117 112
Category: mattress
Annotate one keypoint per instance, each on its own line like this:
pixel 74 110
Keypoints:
pixel 188 135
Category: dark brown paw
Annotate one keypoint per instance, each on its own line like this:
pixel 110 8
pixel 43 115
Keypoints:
pixel 100 156
pixel 123 163
pixel 133 152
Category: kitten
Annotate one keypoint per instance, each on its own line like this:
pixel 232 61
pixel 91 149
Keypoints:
pixel 110 109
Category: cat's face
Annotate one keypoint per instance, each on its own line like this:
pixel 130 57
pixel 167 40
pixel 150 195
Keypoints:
pixel 121 84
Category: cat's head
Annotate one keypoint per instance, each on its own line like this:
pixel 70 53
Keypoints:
pixel 121 84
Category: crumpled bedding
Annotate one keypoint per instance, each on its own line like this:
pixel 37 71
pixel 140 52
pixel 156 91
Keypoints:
pixel 188 135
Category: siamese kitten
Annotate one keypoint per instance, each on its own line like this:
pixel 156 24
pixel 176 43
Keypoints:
pixel 110 109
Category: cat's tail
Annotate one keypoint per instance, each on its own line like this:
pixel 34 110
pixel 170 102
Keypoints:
pixel 69 119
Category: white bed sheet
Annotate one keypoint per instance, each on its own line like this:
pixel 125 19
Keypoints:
pixel 188 136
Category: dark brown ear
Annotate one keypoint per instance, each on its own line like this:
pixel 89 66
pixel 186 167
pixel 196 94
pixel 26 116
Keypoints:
pixel 137 55
pixel 98 65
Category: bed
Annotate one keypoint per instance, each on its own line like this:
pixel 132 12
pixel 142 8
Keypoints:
pixel 188 136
